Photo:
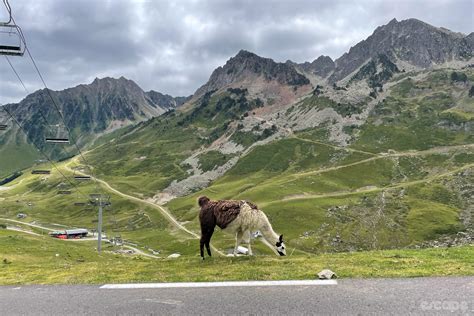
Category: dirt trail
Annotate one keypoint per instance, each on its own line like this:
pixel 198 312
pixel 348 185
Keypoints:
pixel 436 150
pixel 2 188
pixel 372 189
pixel 22 230
pixel 335 146
pixel 27 224
pixel 296 176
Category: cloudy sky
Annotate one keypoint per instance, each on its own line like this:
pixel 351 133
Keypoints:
pixel 173 46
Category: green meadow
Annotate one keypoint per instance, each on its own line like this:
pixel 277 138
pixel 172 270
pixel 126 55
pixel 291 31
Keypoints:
pixel 30 259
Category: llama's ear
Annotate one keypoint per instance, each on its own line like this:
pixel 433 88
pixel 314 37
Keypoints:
pixel 281 238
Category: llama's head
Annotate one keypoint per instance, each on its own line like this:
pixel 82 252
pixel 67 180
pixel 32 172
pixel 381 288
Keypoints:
pixel 280 246
pixel 203 201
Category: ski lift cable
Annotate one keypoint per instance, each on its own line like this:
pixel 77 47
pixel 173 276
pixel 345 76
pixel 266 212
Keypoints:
pixel 51 97
pixel 9 10
pixel 16 73
pixel 43 153
pixel 48 124
pixel 49 92
pixel 24 87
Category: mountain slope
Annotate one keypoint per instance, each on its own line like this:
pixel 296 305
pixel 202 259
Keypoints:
pixel 89 111
pixel 404 179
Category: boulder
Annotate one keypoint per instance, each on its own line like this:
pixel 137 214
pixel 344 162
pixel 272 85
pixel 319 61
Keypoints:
pixel 327 274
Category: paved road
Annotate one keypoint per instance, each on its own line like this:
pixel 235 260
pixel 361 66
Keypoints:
pixel 454 295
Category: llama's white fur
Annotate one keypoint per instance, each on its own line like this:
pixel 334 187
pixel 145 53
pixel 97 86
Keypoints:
pixel 248 221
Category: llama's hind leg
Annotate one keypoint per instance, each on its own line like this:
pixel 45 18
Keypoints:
pixel 206 235
pixel 207 243
pixel 201 247
pixel 238 239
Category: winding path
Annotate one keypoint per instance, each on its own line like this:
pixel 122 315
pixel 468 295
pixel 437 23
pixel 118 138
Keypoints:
pixel 377 189
pixel 27 224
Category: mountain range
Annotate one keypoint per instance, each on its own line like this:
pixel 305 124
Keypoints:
pixel 372 150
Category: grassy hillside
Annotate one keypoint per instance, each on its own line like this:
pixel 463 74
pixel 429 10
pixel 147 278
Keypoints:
pixel 402 181
pixel 419 114
pixel 149 157
pixel 369 203
pixel 28 259
pixel 36 196
pixel 15 156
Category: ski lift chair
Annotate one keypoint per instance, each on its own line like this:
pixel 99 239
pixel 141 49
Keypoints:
pixel 60 137
pixel 11 42
pixel 83 176
pixel 40 171
pixel 64 189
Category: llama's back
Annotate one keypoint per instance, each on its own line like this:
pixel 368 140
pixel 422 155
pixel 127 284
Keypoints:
pixel 224 211
pixel 249 219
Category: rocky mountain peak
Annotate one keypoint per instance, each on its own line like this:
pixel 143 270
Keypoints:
pixel 247 66
pixel 113 84
pixel 413 41
pixel 321 66
pixel 165 100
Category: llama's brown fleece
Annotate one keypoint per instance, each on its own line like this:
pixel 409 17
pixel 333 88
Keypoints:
pixel 220 213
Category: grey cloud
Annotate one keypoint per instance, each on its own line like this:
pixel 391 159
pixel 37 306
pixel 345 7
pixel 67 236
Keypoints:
pixel 173 46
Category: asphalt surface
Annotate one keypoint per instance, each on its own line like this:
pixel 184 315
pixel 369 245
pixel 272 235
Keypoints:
pixel 453 296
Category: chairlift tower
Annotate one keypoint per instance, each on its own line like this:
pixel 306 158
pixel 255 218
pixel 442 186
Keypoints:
pixel 101 201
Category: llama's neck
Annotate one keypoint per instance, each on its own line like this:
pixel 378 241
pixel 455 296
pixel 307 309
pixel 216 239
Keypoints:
pixel 268 232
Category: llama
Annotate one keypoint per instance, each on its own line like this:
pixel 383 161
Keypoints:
pixel 236 217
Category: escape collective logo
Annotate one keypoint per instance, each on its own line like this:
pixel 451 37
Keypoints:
pixel 445 306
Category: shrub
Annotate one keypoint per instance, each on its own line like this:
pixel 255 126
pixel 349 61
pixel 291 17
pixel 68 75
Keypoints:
pixel 458 77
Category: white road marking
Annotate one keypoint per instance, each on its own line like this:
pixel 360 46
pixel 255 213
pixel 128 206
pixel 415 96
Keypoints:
pixel 217 284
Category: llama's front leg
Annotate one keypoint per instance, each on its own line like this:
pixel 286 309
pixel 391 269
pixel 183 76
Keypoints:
pixel 238 239
pixel 248 241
